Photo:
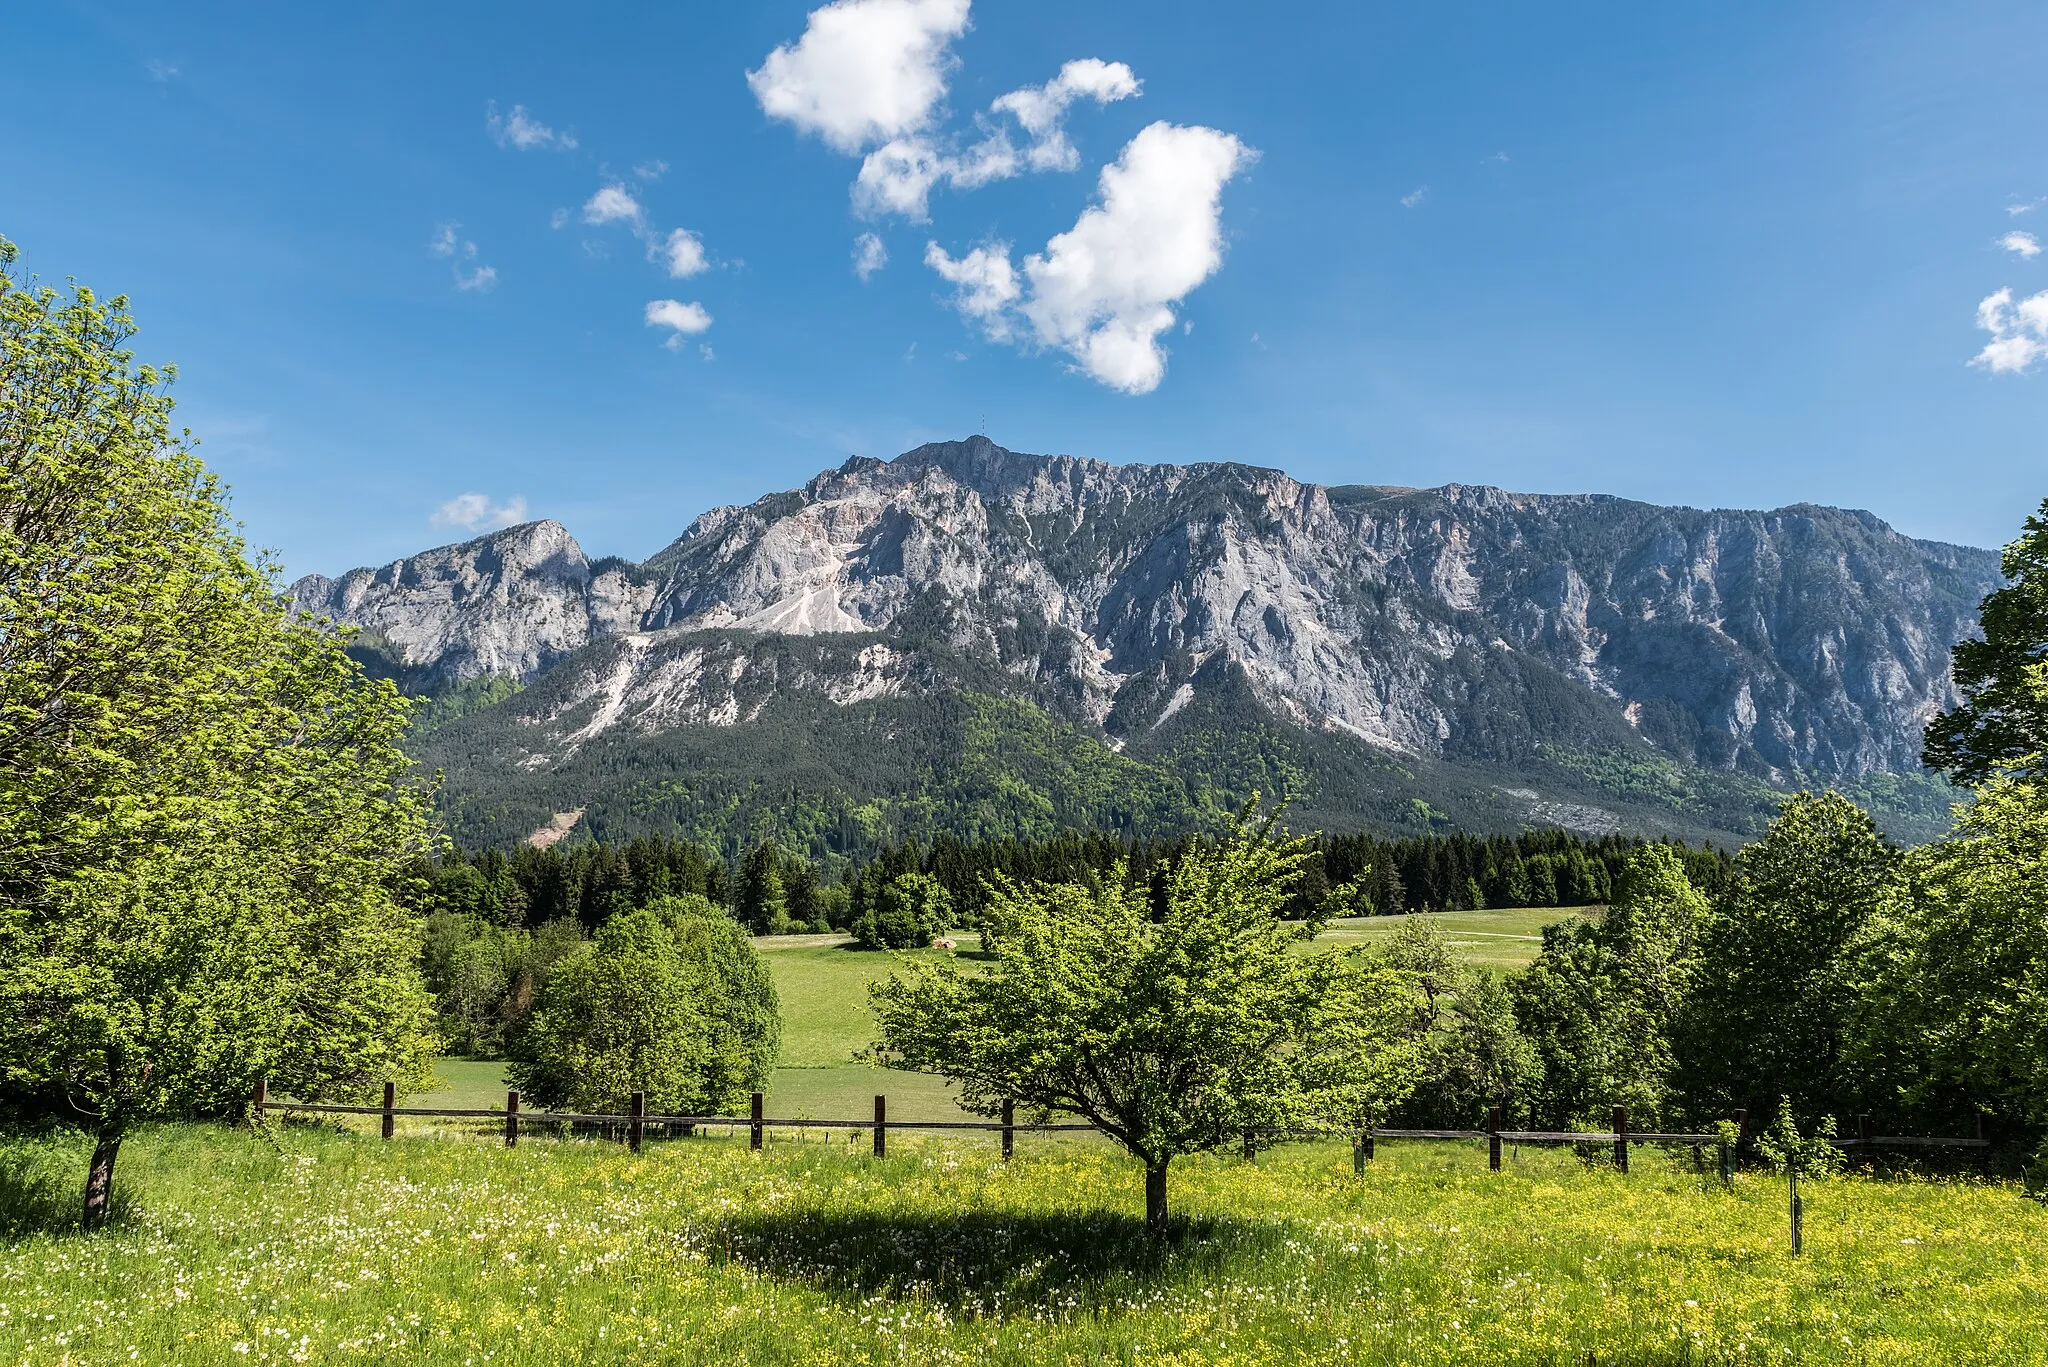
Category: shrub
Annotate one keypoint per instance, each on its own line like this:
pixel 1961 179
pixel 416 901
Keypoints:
pixel 907 911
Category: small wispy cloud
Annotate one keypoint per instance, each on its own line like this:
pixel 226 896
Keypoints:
pixel 869 255
pixel 682 251
pixel 1415 197
pixel 684 320
pixel 1498 158
pixel 474 512
pixel 650 171
pixel 161 71
pixel 470 274
pixel 2022 206
pixel 2021 244
pixel 522 132
pixel 614 203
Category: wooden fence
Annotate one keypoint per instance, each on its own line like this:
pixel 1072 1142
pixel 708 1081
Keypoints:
pixel 635 1122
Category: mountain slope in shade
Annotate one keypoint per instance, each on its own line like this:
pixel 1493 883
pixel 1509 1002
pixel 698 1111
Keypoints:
pixel 1610 661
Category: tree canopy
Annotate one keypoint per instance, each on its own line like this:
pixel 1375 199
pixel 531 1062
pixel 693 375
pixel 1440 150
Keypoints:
pixel 2001 724
pixel 1172 1036
pixel 204 809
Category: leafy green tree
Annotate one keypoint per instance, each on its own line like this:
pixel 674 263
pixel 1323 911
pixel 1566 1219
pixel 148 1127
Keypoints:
pixel 1172 1037
pixel 763 904
pixel 671 1000
pixel 905 913
pixel 1365 1039
pixel 1602 999
pixel 204 810
pixel 1473 1054
pixel 2000 726
pixel 1769 1014
pixel 1951 980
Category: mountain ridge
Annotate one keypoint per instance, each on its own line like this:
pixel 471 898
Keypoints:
pixel 1464 625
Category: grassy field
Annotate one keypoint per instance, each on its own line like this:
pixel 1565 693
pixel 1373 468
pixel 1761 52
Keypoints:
pixel 824 986
pixel 315 1246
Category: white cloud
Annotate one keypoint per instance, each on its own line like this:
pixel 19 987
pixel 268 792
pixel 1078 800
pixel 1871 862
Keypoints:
pixel 470 274
pixel 1041 110
pixel 523 132
pixel 1415 197
pixel 869 255
pixel 1103 290
pixel 651 171
pixel 2024 244
pixel 2025 206
pixel 2019 332
pixel 897 177
pixel 682 251
pixel 614 203
pixel 687 320
pixel 161 71
pixel 475 513
pixel 864 71
pixel 985 285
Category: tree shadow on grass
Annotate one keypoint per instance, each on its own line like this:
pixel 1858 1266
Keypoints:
pixel 42 1190
pixel 986 1262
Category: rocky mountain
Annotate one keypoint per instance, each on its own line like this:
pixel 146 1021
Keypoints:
pixel 1387 656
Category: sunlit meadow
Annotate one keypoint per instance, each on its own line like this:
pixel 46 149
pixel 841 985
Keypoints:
pixel 311 1245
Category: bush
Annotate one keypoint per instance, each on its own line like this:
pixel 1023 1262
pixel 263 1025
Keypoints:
pixel 670 1000
pixel 906 913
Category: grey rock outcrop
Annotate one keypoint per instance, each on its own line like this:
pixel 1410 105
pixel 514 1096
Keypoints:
pixel 1458 621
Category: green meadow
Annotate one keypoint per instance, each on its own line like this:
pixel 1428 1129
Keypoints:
pixel 311 1244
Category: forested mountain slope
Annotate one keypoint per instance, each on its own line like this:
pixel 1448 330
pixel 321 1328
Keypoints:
pixel 968 638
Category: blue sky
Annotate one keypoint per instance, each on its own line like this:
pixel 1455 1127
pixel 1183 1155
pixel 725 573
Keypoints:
pixel 1717 254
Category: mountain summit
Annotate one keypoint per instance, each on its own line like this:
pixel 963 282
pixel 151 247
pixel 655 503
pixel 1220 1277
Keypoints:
pixel 1517 657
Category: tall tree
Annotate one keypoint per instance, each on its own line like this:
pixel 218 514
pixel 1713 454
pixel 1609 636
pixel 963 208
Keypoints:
pixel 2001 724
pixel 1172 1037
pixel 203 806
pixel 1770 1007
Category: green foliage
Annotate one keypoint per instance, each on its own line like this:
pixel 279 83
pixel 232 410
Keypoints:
pixel 2001 724
pixel 762 904
pixel 905 913
pixel 1771 1007
pixel 1172 1036
pixel 1951 977
pixel 670 1000
pixel 1474 1055
pixel 485 978
pixel 203 807
pixel 1812 1156
pixel 1600 1002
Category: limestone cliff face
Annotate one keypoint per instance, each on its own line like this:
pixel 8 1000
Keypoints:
pixel 1458 621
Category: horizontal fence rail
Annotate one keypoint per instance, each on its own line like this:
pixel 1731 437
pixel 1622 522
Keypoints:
pixel 757 1123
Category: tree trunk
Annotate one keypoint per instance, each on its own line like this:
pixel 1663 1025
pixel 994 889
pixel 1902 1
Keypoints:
pixel 1155 1200
pixel 99 1178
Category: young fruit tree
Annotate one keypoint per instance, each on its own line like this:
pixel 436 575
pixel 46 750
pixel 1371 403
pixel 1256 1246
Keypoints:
pixel 204 810
pixel 1172 1037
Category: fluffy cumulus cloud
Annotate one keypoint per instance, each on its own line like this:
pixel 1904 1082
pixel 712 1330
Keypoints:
pixel 1104 290
pixel 864 71
pixel 869 255
pixel 476 513
pixel 2021 244
pixel 683 320
pixel 522 132
pixel 985 285
pixel 470 274
pixel 2019 332
pixel 869 77
pixel 682 252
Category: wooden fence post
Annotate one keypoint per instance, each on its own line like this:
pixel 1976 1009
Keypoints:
pixel 511 1119
pixel 881 1126
pixel 1009 1128
pixel 754 1122
pixel 1251 1150
pixel 1361 1148
pixel 1493 1139
pixel 390 1101
pixel 1621 1138
pixel 259 1096
pixel 637 1131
